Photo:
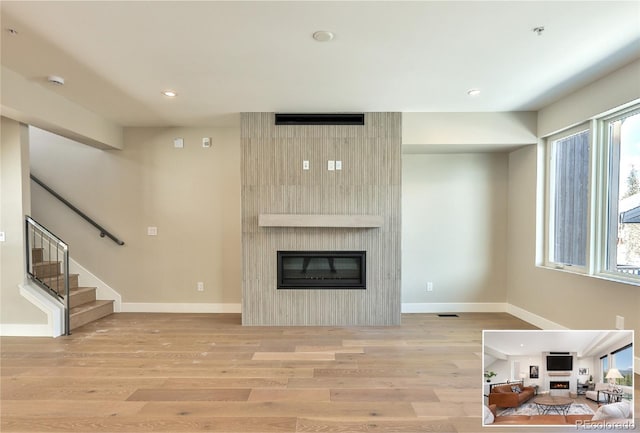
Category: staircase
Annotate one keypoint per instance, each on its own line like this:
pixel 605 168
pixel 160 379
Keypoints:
pixel 84 306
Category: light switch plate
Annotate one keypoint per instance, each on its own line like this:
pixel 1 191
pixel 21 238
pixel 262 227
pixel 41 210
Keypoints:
pixel 152 231
pixel 305 165
pixel 206 141
pixel 331 165
pixel 178 143
pixel 338 165
pixel 1 236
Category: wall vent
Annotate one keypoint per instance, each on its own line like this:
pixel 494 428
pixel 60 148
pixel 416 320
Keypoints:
pixel 320 119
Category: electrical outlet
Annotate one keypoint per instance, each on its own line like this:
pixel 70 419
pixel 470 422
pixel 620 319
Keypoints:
pixel 305 165
pixel 200 286
pixel 178 143
pixel 206 141
pixel 331 165
pixel 1 236
pixel 152 231
pixel 430 286
pixel 338 165
pixel 619 322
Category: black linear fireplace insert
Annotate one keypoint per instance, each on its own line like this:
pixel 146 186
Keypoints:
pixel 322 269
pixel 558 385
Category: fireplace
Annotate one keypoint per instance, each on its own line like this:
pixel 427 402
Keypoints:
pixel 559 385
pixel 322 269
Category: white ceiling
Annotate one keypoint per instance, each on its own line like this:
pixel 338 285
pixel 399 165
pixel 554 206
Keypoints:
pixel 584 343
pixel 228 57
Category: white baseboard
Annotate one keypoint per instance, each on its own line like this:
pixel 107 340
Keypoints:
pixel 534 319
pixel 454 307
pixel 25 330
pixel 480 307
pixel 157 307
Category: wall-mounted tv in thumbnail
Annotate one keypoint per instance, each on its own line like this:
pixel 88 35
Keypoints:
pixel 559 363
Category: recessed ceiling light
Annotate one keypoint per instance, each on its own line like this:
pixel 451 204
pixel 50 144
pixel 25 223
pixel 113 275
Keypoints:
pixel 473 92
pixel 54 79
pixel 170 93
pixel 322 36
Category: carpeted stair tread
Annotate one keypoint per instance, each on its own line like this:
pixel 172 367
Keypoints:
pixel 46 269
pixel 80 289
pixel 82 295
pixel 37 255
pixel 89 306
pixel 58 280
pixel 90 311
pixel 84 307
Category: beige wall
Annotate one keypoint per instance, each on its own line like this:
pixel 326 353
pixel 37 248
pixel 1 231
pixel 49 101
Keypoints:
pixel 192 195
pixel 614 90
pixel 571 300
pixel 467 132
pixel 454 210
pixel 14 205
pixel 27 101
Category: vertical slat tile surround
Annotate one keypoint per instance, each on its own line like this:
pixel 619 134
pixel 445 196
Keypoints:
pixel 369 183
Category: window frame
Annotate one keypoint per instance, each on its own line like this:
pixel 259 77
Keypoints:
pixel 604 359
pixel 607 153
pixel 598 196
pixel 549 200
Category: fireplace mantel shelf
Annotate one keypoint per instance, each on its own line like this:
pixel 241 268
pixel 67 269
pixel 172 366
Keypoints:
pixel 318 220
pixel 559 373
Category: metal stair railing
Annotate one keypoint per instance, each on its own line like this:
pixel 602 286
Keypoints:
pixel 103 232
pixel 54 254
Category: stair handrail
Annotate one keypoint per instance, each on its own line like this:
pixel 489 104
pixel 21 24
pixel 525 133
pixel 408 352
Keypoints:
pixel 60 245
pixel 103 232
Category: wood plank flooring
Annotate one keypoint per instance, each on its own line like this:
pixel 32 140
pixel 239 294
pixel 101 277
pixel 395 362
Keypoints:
pixel 207 373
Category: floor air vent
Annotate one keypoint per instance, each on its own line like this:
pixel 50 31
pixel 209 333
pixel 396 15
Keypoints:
pixel 320 119
pixel 448 315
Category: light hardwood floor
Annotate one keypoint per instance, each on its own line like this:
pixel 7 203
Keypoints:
pixel 207 373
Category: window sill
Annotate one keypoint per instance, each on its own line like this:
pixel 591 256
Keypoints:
pixel 614 278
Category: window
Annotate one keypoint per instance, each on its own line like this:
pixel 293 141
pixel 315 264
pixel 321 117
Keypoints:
pixel 623 361
pixel 604 367
pixel 623 231
pixel 569 195
pixel 593 197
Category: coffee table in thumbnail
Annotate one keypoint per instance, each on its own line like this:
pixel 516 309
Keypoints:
pixel 559 405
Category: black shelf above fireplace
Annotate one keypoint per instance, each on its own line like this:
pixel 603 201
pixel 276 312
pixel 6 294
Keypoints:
pixel 322 269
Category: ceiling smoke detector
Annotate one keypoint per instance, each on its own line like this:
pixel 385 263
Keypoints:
pixel 322 36
pixel 54 79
